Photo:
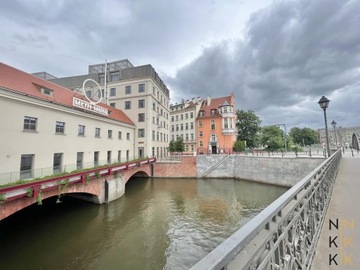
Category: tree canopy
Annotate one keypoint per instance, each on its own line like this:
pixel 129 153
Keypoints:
pixel 248 125
pixel 272 137
pixel 304 136
pixel 177 146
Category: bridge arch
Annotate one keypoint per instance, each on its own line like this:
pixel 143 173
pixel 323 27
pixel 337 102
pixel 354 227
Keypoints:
pixel 355 141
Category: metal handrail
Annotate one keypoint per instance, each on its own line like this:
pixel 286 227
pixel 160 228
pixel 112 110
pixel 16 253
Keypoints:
pixel 228 250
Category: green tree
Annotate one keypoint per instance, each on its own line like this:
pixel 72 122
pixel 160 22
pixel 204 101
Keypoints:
pixel 272 137
pixel 248 125
pixel 172 146
pixel 177 146
pixel 304 136
pixel 239 146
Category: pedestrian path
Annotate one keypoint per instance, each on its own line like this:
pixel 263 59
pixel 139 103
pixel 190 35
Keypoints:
pixel 339 242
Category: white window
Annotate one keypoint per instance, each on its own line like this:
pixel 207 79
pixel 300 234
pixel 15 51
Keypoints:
pixel 30 123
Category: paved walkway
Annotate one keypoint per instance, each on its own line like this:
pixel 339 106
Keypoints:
pixel 340 248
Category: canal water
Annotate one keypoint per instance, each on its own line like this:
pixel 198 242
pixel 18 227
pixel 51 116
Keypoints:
pixel 157 224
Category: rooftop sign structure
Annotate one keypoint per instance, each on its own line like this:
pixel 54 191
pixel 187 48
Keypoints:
pixel 91 105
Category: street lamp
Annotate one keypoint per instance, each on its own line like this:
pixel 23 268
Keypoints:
pixel 333 123
pixel 324 103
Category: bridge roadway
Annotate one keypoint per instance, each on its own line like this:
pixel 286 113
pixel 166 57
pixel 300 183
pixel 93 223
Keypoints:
pixel 340 248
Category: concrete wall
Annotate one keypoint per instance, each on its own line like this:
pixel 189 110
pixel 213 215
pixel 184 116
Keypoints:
pixel 186 168
pixel 273 170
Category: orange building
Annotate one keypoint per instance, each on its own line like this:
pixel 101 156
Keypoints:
pixel 215 126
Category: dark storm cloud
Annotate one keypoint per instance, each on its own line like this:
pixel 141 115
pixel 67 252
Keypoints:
pixel 292 51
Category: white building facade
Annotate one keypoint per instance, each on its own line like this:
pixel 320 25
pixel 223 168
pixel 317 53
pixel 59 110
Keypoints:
pixel 44 132
pixel 183 122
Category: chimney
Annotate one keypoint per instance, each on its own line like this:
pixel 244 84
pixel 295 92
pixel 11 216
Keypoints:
pixel 208 101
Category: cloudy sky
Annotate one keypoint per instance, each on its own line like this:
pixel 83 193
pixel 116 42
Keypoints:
pixel 278 57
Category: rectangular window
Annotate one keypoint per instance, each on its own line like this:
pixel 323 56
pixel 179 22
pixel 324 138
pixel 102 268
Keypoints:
pixel 212 124
pixel 141 132
pixel 200 133
pixel 112 92
pixel 119 155
pixel 172 128
pixel 127 105
pixel 128 136
pixel 141 88
pixel 115 76
pixel 30 123
pixel 154 106
pixel 128 89
pixel 191 115
pixel 172 118
pixel 181 117
pixel 177 127
pixel 97 132
pixel 191 125
pixel 177 118
pixel 79 160
pixel 96 158
pixel 141 103
pixel 26 166
pixel 57 163
pixel 110 134
pixel 186 137
pixel 192 136
pixel 182 127
pixel 186 126
pixel 200 123
pixel 101 78
pixel 81 130
pixel 113 104
pixel 153 135
pixel 59 127
pixel 200 143
pixel 108 159
pixel 186 116
pixel 141 117
pixel 120 135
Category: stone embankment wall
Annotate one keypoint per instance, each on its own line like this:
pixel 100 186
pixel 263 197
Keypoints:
pixel 273 170
pixel 186 168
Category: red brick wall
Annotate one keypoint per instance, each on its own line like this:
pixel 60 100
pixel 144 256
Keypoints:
pixel 185 168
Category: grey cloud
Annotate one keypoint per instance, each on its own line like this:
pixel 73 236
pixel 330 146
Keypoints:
pixel 292 51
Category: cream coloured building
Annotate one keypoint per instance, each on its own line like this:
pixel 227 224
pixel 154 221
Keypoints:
pixel 183 118
pixel 46 129
pixel 141 94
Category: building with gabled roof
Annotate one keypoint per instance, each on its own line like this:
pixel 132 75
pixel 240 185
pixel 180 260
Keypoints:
pixel 140 92
pixel 183 116
pixel 46 126
pixel 216 125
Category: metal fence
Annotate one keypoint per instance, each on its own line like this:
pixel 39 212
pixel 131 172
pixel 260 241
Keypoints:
pixel 284 235
pixel 10 177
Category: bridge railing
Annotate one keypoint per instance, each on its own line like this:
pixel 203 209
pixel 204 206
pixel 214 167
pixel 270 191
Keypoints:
pixel 284 235
pixel 11 177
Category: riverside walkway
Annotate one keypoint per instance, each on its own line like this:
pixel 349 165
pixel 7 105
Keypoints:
pixel 339 242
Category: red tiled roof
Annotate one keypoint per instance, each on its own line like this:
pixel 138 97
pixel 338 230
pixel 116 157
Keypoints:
pixel 216 103
pixel 27 84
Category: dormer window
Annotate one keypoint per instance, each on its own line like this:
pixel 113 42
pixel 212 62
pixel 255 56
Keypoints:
pixel 213 111
pixel 46 91
pixel 201 113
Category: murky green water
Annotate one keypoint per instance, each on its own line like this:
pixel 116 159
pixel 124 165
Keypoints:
pixel 157 224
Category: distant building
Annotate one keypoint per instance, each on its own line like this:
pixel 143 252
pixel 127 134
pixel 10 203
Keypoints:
pixel 45 127
pixel 343 135
pixel 140 93
pixel 216 125
pixel 183 122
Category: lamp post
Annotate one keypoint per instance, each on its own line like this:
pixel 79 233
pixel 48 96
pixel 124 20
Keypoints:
pixel 324 103
pixel 333 123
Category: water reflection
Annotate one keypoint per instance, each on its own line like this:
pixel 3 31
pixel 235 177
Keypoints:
pixel 158 224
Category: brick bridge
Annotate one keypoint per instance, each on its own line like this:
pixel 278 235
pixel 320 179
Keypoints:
pixel 99 185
